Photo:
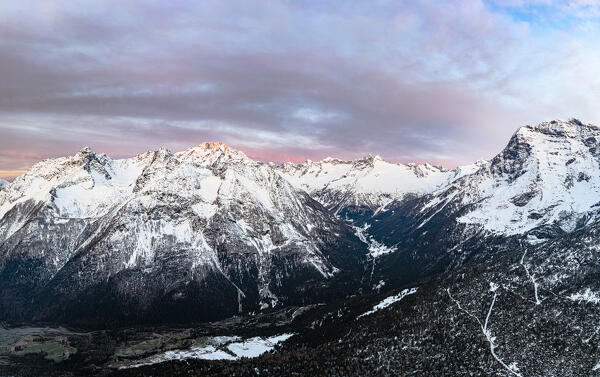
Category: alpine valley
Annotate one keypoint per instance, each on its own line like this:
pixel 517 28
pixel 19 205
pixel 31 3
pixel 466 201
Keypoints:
pixel 206 262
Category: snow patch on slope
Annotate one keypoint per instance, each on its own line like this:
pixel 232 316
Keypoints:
pixel 586 296
pixel 376 249
pixel 389 301
pixel 91 194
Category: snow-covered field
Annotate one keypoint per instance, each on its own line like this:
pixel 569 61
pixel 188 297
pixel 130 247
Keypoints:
pixel 219 348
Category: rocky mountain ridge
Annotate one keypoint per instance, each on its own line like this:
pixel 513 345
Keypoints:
pixel 369 183
pixel 151 231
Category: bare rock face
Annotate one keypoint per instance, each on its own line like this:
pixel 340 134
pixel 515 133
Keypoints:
pixel 201 234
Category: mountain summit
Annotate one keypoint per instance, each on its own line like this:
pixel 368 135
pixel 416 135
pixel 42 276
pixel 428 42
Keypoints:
pixel 546 176
pixel 213 153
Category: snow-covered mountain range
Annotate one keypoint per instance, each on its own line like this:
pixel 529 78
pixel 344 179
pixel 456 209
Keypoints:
pixel 208 229
pixel 496 273
pixel 547 177
pixel 3 183
pixel 208 232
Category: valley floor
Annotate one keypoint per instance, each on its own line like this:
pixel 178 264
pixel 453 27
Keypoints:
pixel 476 321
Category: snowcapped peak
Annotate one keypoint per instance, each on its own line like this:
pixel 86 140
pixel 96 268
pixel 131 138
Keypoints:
pixel 426 168
pixel 210 153
pixel 163 152
pixel 85 150
pixel 547 144
pixel 214 146
pixel 332 160
pixel 463 170
pixel 87 159
pixel 547 174
pixel 371 157
pixel 367 161
pixel 568 128
pixel 150 156
pixel 85 154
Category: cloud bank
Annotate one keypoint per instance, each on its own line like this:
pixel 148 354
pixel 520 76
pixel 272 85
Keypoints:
pixel 439 81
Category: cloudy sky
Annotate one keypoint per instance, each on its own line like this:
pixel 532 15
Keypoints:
pixel 441 81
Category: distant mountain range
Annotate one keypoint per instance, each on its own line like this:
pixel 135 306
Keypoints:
pixel 368 183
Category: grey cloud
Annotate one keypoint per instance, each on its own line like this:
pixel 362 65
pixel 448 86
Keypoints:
pixel 409 80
